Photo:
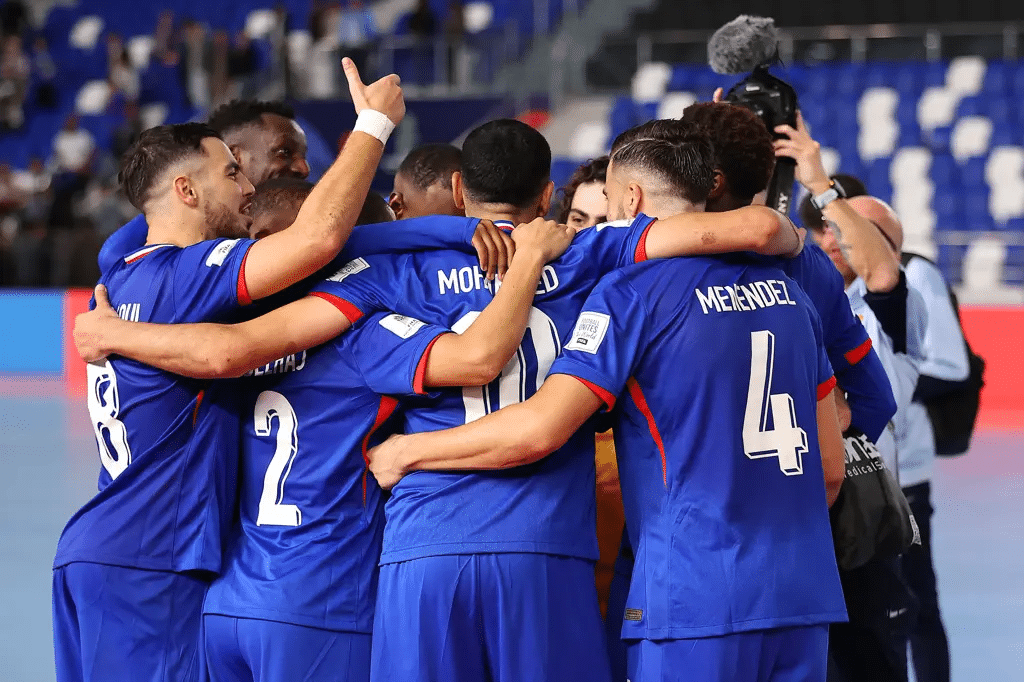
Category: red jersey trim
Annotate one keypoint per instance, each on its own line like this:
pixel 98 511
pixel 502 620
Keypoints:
pixel 243 289
pixel 640 255
pixel 421 368
pixel 199 401
pixel 353 313
pixel 139 255
pixel 825 388
pixel 641 402
pixel 604 395
pixel 857 354
pixel 384 410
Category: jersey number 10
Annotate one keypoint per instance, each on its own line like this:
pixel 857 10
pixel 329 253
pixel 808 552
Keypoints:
pixel 786 440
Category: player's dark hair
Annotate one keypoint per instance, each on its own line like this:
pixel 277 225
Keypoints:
pixel 505 162
pixel 431 164
pixel 743 146
pixel 679 154
pixel 375 210
pixel 594 170
pixel 811 217
pixel 242 112
pixel 278 193
pixel 156 150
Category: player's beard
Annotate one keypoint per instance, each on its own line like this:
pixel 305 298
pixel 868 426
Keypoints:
pixel 221 221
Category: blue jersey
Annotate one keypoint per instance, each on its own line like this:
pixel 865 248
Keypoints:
pixel 720 365
pixel 311 515
pixel 545 507
pixel 857 367
pixel 168 445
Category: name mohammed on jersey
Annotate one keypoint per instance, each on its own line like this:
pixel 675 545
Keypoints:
pixel 744 297
pixel 471 278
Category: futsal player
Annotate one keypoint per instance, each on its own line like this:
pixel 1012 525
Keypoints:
pixel 423 183
pixel 729 452
pixel 133 564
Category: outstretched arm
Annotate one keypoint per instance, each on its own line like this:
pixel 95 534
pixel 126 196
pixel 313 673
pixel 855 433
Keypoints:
pixel 751 228
pixel 326 218
pixel 208 351
pixel 476 356
pixel 513 436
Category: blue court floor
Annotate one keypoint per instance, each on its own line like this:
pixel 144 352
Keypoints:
pixel 49 468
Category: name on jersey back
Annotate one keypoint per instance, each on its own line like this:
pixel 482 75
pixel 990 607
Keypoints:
pixel 744 297
pixel 471 278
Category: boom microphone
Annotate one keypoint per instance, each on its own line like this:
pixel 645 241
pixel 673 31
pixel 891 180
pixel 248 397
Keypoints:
pixel 750 43
pixel 743 44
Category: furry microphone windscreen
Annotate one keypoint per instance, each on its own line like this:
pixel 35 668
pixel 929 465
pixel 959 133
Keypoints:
pixel 742 44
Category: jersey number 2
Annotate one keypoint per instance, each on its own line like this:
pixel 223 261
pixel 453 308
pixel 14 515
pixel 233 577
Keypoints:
pixel 272 512
pixel 785 440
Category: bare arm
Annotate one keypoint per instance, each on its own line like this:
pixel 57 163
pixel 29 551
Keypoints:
pixel 751 228
pixel 208 351
pixel 862 243
pixel 830 442
pixel 476 356
pixel 327 216
pixel 513 436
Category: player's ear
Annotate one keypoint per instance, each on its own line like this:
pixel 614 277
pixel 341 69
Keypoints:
pixel 545 199
pixel 185 191
pixel 397 203
pixel 634 199
pixel 460 200
pixel 719 188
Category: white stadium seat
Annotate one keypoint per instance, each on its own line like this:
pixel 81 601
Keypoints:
pixel 93 98
pixel 966 75
pixel 1006 201
pixel 650 81
pixel 477 16
pixel 876 104
pixel 936 108
pixel 86 32
pixel 154 114
pixel 590 140
pixel 830 159
pixel 878 140
pixel 140 49
pixel 983 263
pixel 673 103
pixel 260 23
pixel 971 136
pixel 1005 164
pixel 910 164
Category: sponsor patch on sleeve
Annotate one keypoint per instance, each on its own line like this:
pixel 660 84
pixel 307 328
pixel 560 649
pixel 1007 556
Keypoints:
pixel 217 256
pixel 401 326
pixel 349 268
pixel 589 333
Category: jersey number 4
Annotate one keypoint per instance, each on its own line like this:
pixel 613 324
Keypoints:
pixel 272 511
pixel 785 439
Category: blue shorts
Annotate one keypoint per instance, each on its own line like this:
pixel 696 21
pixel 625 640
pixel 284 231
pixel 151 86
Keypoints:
pixel 497 617
pixel 785 655
pixel 250 650
pixel 114 624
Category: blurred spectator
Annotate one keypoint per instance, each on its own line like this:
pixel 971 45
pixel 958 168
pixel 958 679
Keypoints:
pixel 455 35
pixel 120 73
pixel 30 244
pixel 196 63
pixel 73 148
pixel 423 27
pixel 13 18
pixel 220 46
pixel 242 65
pixel 11 198
pixel 356 35
pixel 163 35
pixel 14 73
pixel 44 72
pixel 107 208
pixel 127 131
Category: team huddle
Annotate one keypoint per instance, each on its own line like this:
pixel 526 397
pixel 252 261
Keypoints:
pixel 339 446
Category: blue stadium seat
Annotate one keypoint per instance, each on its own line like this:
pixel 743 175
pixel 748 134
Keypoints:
pixel 561 170
pixel 944 170
pixel 622 117
pixel 938 139
pixel 976 211
pixel 975 105
pixel 948 209
pixel 950 259
pixel 996 81
pixel 972 173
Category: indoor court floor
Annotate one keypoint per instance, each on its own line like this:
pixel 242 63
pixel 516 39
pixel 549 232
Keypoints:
pixel 50 466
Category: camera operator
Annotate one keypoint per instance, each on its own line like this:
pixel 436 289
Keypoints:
pixel 863 237
pixel 944 367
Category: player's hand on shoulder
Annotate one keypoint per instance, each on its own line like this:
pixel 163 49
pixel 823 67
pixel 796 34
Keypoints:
pixel 385 462
pixel 91 327
pixel 494 247
pixel 384 95
pixel 546 238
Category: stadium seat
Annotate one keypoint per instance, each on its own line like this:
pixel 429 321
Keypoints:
pixel 971 137
pixel 972 173
pixel 93 98
pixel 966 75
pixel 260 22
pixel 86 32
pixel 673 104
pixel 1005 163
pixel 589 140
pixel 140 49
pixel 650 81
pixel 878 139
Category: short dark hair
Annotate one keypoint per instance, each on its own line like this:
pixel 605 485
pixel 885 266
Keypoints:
pixel 743 145
pixel 678 153
pixel 505 162
pixel 811 217
pixel 431 164
pixel 156 150
pixel 276 193
pixel 375 210
pixel 242 112
pixel 594 170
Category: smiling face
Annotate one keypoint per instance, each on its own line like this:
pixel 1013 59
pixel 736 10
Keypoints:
pixel 272 147
pixel 223 192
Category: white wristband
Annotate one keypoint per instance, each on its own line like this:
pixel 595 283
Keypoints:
pixel 374 123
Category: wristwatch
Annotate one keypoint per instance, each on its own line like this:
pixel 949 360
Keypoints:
pixel 834 191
